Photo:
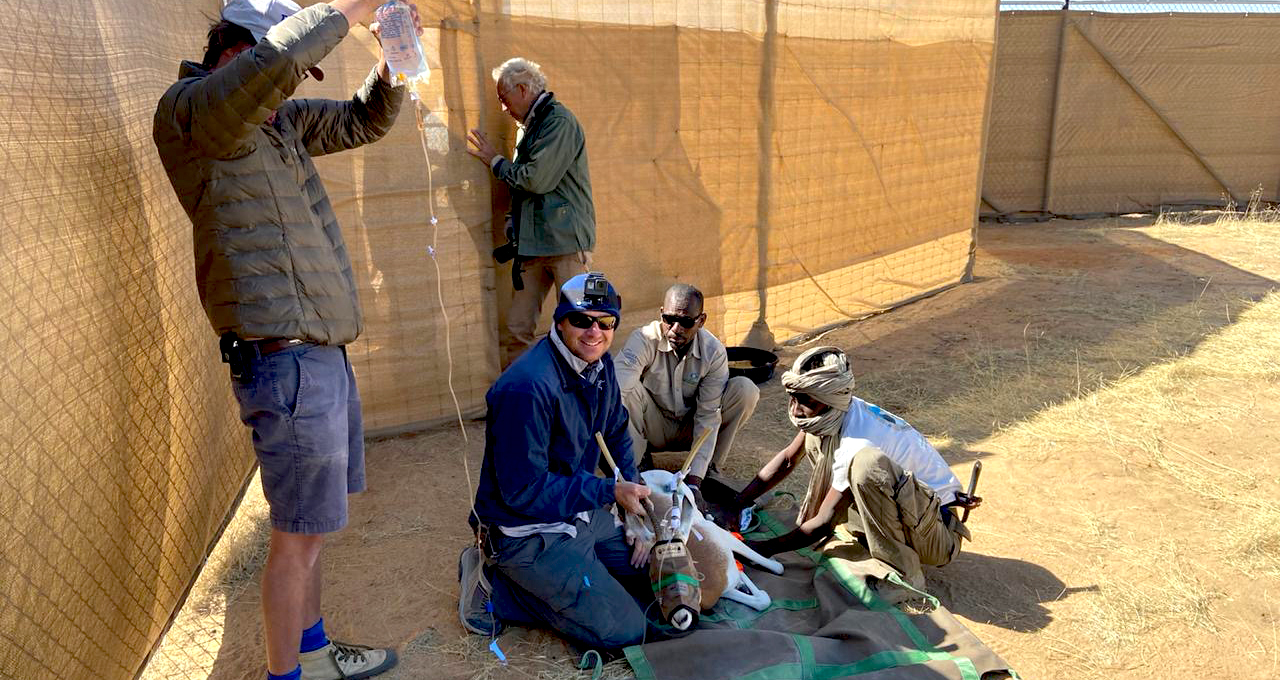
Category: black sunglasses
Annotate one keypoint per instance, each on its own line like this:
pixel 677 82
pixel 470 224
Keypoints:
pixel 684 321
pixel 584 321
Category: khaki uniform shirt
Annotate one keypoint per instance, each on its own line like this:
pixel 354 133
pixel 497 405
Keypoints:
pixel 677 385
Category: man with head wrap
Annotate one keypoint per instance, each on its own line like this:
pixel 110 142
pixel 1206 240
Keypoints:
pixel 894 486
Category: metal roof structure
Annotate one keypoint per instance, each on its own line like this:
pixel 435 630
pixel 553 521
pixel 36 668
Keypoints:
pixel 1157 7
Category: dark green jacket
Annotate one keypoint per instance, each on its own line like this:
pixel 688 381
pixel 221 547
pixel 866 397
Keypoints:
pixel 550 185
pixel 270 260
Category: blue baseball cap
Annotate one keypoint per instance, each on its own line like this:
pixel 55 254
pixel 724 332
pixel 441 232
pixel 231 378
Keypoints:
pixel 590 292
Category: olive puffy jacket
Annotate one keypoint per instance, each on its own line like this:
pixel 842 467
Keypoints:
pixel 270 260
pixel 551 184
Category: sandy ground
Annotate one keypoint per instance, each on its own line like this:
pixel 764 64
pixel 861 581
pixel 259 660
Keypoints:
pixel 1120 381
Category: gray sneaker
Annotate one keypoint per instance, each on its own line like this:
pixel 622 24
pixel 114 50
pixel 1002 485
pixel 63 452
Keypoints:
pixel 343 661
pixel 475 608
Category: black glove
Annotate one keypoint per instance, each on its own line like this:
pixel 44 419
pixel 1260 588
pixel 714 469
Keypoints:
pixel 698 501
pixel 724 516
pixel 793 540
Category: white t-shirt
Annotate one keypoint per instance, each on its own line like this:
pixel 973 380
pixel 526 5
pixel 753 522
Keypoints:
pixel 869 426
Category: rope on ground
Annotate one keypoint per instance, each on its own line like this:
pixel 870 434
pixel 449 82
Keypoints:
pixel 598 669
pixel 896 579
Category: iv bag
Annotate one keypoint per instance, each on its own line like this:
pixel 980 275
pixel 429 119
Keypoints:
pixel 400 44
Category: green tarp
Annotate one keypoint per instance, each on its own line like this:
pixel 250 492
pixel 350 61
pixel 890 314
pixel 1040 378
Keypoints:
pixel 826 621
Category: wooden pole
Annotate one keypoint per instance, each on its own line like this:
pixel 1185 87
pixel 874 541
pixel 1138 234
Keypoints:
pixel 693 451
pixel 604 449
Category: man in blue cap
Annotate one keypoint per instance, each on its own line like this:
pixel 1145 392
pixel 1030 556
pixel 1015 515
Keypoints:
pixel 548 549
pixel 272 271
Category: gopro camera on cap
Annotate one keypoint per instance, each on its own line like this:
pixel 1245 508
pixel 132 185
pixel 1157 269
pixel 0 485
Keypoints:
pixel 596 287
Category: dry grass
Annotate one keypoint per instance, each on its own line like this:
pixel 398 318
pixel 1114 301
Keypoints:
pixel 1254 547
pixel 1126 419
pixel 233 568
pixel 1254 226
pixel 1232 216
pixel 537 657
pixel 191 647
pixel 1128 402
pixel 1118 619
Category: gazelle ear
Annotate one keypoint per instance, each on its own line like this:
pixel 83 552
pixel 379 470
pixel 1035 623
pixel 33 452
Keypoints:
pixel 659 479
pixel 688 510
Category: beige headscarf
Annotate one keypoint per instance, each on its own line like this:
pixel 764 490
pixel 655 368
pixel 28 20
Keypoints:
pixel 830 381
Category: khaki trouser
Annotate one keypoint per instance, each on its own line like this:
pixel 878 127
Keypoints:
pixel 652 427
pixel 541 274
pixel 900 516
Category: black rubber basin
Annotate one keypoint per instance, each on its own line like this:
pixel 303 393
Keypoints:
pixel 756 364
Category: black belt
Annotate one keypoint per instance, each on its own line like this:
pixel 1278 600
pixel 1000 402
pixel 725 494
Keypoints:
pixel 239 354
pixel 267 346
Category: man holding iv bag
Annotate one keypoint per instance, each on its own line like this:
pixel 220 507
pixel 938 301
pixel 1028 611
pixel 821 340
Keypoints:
pixel 276 283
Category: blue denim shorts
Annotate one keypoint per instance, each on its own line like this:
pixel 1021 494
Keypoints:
pixel 304 409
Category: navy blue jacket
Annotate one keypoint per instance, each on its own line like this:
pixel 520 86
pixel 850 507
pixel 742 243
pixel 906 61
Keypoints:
pixel 540 452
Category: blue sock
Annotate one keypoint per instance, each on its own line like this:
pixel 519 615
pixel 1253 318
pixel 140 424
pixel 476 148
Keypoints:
pixel 313 638
pixel 295 674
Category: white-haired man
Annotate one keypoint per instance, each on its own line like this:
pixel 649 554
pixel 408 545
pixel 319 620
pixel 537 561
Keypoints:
pixel 551 228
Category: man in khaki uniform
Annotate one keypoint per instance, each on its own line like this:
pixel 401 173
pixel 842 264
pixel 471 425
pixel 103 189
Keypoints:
pixel 674 377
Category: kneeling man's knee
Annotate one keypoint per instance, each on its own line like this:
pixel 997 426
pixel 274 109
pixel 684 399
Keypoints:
pixel 626 627
pixel 871 468
pixel 740 394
